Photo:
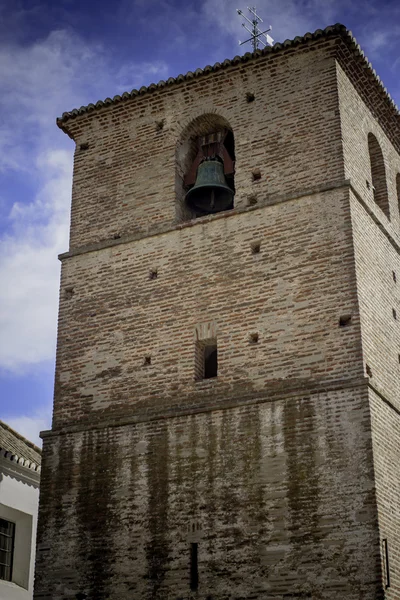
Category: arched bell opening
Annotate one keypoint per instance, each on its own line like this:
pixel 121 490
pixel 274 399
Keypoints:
pixel 205 168
pixel 378 174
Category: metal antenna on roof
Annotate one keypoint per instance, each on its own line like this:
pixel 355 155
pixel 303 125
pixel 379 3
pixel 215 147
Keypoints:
pixel 255 31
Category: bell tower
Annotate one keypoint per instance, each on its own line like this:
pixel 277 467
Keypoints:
pixel 226 407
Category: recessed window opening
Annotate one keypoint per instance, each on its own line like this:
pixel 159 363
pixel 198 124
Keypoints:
pixel 7 538
pixel 205 167
pixel 206 360
pixel 394 276
pixel 394 313
pixel 147 361
pixel 255 247
pixel 378 174
pixel 194 567
pixel 368 370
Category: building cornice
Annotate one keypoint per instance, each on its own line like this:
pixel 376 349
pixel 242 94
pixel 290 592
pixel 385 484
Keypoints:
pixel 19 468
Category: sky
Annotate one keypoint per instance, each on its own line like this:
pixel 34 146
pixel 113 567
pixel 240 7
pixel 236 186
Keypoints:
pixel 56 55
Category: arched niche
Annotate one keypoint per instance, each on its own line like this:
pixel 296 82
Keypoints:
pixel 378 174
pixel 187 149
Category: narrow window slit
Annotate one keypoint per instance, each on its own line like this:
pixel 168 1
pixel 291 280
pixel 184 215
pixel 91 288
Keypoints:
pixel 194 567
pixel 206 360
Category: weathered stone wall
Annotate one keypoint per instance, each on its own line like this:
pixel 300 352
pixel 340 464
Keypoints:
pixel 279 497
pixel 357 122
pixel 386 453
pixel 376 247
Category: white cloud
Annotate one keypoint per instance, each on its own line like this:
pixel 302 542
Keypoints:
pixel 29 269
pixel 31 426
pixel 39 82
pixel 131 75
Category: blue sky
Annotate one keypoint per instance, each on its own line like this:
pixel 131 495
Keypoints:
pixel 59 54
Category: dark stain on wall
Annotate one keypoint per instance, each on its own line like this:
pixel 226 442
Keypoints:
pixel 157 549
pixel 303 490
pixel 97 520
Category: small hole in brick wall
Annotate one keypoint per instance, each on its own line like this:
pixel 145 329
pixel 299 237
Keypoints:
pixel 394 313
pixel 256 174
pixel 147 361
pixel 368 370
pixel 252 200
pixel 253 338
pixel 394 276
pixel 344 320
pixel 255 247
pixel 117 236
pixel 84 146
pixel 367 183
pixel 69 292
pixel 160 125
pixel 80 596
pixel 250 97
pixel 153 274
pixel 398 357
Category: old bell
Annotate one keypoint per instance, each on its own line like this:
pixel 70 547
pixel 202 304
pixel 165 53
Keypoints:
pixel 210 193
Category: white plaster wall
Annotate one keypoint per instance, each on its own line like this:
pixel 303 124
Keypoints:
pixel 19 503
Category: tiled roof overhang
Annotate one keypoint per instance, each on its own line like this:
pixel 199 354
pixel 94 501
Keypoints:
pixel 332 31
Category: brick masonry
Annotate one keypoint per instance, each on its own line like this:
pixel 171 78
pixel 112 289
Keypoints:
pixel 283 468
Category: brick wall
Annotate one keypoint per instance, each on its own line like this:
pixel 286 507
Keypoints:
pixel 292 293
pixel 269 466
pixel 124 182
pixel 386 452
pixel 268 492
pixel 376 248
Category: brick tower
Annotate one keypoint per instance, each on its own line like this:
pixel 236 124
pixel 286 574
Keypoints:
pixel 226 414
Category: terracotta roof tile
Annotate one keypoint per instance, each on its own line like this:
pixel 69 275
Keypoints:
pixel 330 31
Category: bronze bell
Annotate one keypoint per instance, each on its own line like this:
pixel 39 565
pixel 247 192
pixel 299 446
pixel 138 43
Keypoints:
pixel 210 193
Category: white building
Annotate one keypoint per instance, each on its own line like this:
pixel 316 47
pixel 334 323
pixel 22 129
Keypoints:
pixel 19 498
